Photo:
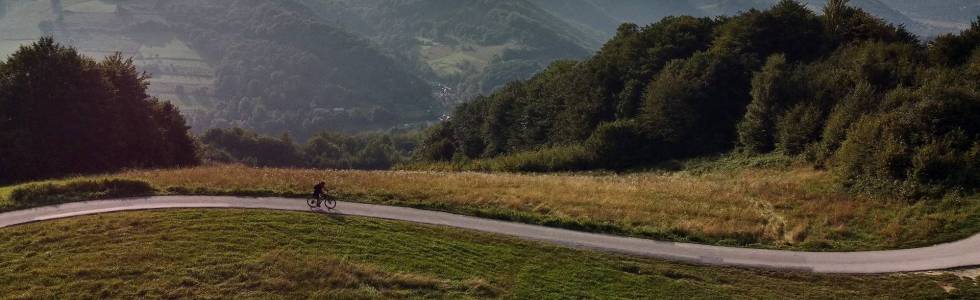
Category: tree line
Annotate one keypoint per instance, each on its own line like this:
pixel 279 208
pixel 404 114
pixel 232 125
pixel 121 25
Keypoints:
pixel 843 90
pixel 365 151
pixel 62 113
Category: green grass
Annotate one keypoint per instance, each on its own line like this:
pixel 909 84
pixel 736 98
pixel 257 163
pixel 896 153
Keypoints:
pixel 264 254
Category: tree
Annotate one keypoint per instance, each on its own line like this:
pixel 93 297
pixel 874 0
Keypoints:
pixel 846 25
pixel 62 113
pixel 925 143
pixel 954 50
pixel 788 28
pixel 770 95
pixel 693 106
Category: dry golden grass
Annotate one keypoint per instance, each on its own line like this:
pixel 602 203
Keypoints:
pixel 795 208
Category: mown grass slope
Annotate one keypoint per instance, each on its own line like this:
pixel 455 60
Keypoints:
pixel 264 254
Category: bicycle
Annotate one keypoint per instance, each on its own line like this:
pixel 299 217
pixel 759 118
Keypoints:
pixel 323 201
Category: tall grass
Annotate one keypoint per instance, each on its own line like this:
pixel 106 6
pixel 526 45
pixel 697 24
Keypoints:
pixel 55 192
pixel 557 159
pixel 788 207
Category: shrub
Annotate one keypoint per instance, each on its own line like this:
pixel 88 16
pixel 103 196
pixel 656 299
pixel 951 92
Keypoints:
pixel 618 145
pixel 799 127
pixel 954 50
pixel 844 114
pixel 771 93
pixel 925 144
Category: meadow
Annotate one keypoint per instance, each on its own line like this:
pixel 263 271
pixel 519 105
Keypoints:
pixel 796 207
pixel 237 253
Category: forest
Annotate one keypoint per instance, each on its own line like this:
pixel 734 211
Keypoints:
pixel 64 114
pixel 281 68
pixel 842 90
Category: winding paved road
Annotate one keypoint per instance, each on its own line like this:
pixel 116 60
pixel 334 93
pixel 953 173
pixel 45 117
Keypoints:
pixel 962 253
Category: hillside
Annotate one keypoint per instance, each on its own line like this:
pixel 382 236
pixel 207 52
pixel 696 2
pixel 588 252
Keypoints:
pixel 271 66
pixel 783 80
pixel 282 69
pixel 925 18
pixel 469 47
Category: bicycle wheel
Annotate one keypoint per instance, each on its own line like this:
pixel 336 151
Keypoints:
pixel 329 203
pixel 311 202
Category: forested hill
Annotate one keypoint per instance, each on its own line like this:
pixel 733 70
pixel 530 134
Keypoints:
pixel 282 69
pixel 472 47
pixel 842 90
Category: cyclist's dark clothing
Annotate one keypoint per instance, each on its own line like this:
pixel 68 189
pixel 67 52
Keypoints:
pixel 318 190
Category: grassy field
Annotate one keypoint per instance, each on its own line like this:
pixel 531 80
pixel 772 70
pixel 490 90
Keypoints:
pixel 173 49
pixel 449 60
pixel 95 6
pixel 793 208
pixel 264 255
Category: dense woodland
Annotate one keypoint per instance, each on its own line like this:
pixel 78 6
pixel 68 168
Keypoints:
pixel 62 113
pixel 843 90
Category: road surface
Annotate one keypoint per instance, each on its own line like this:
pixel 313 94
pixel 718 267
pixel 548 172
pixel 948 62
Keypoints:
pixel 964 253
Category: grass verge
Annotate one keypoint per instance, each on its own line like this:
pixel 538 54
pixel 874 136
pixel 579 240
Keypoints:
pixel 265 254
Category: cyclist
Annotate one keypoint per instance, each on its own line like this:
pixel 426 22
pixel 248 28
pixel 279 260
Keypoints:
pixel 318 191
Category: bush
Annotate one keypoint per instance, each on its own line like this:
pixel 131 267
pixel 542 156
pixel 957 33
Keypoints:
pixel 618 145
pixel 844 114
pixel 39 194
pixel 926 144
pixel 771 92
pixel 799 127
pixel 954 50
